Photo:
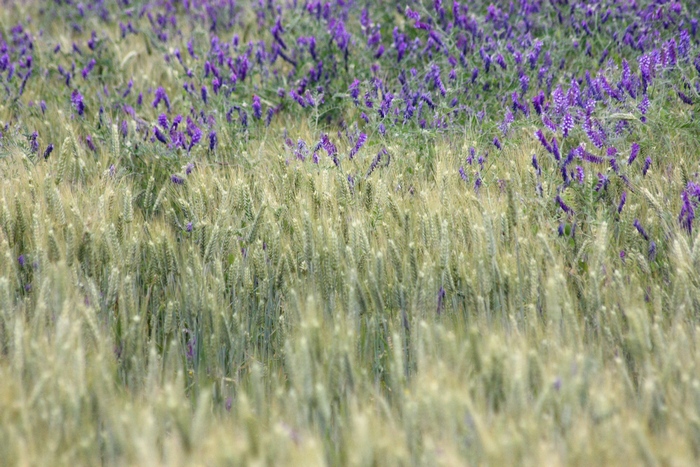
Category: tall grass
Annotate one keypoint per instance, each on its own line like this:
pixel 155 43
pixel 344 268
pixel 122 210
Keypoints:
pixel 267 311
pixel 301 322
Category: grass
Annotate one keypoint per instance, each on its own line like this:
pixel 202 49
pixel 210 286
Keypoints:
pixel 397 318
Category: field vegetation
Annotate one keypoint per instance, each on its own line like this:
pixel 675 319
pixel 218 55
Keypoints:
pixel 349 233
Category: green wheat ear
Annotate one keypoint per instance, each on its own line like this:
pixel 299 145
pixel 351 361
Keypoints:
pixel 63 160
pixel 115 143
pixel 128 209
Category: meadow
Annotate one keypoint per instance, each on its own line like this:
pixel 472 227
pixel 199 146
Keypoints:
pixel 296 232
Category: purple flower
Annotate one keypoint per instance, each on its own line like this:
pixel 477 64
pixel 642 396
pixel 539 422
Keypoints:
pixel 538 102
pixel 603 182
pixel 633 153
pixel 580 175
pixel 644 105
pixel 354 90
pixel 177 179
pixel 48 151
pixel 623 199
pixel 441 300
pixel 588 157
pixel 300 100
pixel 194 132
pixel 163 121
pixel 21 260
pixel 190 49
pixel 268 117
pixel 414 15
pixel 640 229
pixel 555 148
pixel 564 207
pixel 497 143
pixel 463 174
pixel 536 165
pixel 161 95
pixel 330 148
pixel 686 99
pixel 90 143
pixel 614 165
pixel 560 104
pixel 257 108
pixel 377 159
pixel 543 140
pixel 524 83
pixel 88 68
pixel 567 124
pixel 176 122
pixel 358 145
pixel 549 123
pixel 652 250
pixel 647 165
pixel 204 94
pixel 188 228
pixel 159 135
pixel 687 214
pixel 213 140
pixel 189 168
pixel 77 100
pixel 34 141
pixel 124 128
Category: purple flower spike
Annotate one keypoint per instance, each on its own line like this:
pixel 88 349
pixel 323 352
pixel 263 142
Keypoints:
pixel 163 121
pixel 652 251
pixel 358 145
pixel 623 199
pixel 536 165
pixel 77 100
pixel 34 141
pixel 686 99
pixel 640 229
pixel 213 140
pixel 567 124
pixel 543 140
pixel 177 179
pixel 603 182
pixel 48 151
pixel 257 108
pixel 463 174
pixel 564 207
pixel 90 143
pixel 159 135
pixel 497 143
pixel 633 153
pixel 88 68
pixel 161 95
pixel 441 300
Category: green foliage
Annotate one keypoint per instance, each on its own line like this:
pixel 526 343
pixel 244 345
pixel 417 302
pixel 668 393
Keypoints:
pixel 269 311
